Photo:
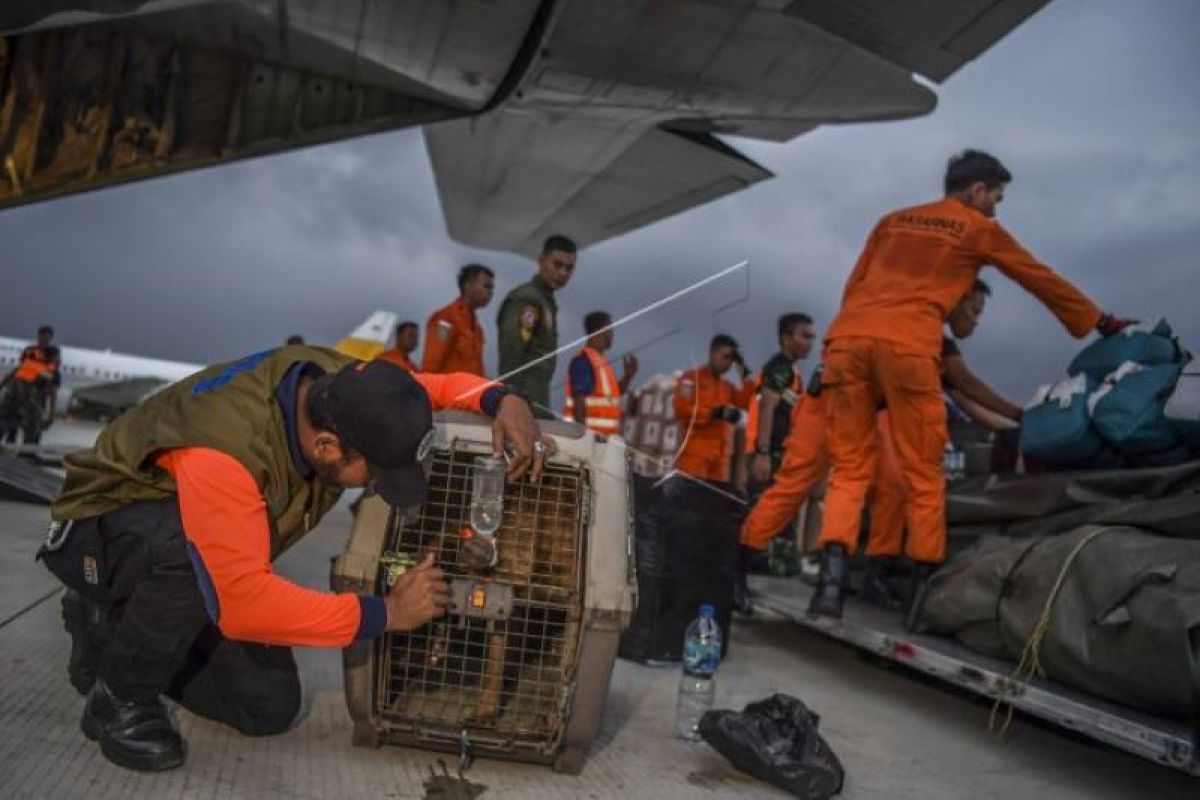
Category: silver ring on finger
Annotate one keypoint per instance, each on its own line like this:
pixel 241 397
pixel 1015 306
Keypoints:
pixel 539 448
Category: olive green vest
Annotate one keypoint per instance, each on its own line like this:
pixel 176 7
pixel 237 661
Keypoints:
pixel 228 407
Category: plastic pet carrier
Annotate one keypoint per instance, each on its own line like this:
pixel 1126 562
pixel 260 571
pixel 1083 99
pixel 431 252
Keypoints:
pixel 520 668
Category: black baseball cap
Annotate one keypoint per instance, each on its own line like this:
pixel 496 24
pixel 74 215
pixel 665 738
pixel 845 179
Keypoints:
pixel 382 412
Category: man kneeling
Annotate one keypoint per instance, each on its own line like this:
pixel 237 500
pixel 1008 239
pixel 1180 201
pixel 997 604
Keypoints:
pixel 165 532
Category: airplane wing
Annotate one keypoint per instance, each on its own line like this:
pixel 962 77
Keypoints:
pixel 606 135
pixel 933 38
pixel 508 180
pixel 582 117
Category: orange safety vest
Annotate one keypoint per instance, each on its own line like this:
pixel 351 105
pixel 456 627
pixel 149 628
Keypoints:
pixel 34 364
pixel 602 408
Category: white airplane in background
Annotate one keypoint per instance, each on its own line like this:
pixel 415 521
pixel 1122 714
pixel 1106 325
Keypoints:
pixel 82 367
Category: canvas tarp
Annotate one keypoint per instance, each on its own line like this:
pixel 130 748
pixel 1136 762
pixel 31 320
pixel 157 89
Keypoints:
pixel 1125 623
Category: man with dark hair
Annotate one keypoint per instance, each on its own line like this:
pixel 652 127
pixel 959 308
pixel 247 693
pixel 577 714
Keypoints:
pixel 165 531
pixel 708 407
pixel 408 338
pixel 29 393
pixel 883 347
pixel 527 325
pixel 778 386
pixel 453 337
pixel 594 394
pixel 806 463
pixel 974 166
pixel 295 338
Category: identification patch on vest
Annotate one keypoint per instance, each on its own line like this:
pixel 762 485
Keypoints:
pixel 444 329
pixel 529 318
pixel 687 388
pixel 230 372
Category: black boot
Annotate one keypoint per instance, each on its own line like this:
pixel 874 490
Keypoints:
pixel 922 572
pixel 86 623
pixel 875 588
pixel 742 603
pixel 132 735
pixel 830 596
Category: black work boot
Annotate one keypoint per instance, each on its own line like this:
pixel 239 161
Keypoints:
pixel 742 603
pixel 830 596
pixel 131 734
pixel 86 623
pixel 922 572
pixel 875 588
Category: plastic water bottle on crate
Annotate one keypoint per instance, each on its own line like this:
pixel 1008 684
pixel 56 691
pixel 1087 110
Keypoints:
pixel 698 683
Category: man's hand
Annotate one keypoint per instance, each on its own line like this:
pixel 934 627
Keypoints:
pixel 417 596
pixel 743 370
pixel 515 426
pixel 1109 324
pixel 760 467
pixel 629 366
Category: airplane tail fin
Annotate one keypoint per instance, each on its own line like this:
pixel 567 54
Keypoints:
pixel 370 338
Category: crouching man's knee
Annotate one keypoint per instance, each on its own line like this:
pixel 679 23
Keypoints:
pixel 273 710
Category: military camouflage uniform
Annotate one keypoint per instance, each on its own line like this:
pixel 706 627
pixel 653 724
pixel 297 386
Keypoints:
pixel 527 324
pixel 779 375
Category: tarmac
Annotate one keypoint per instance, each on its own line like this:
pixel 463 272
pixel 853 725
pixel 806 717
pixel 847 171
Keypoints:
pixel 897 737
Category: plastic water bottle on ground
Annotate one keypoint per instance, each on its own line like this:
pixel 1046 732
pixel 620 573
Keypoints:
pixel 698 683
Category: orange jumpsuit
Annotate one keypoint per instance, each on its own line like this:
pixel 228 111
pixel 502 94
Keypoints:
pixel 398 358
pixel 707 449
pixel 805 463
pixel 454 340
pixel 883 348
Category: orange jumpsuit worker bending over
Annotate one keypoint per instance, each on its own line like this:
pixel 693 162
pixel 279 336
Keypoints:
pixel 883 349
pixel 807 459
pixel 453 337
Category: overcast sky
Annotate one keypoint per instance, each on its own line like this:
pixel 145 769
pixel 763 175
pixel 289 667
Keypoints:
pixel 1092 104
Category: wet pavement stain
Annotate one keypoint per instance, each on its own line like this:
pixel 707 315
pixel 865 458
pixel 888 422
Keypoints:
pixel 448 787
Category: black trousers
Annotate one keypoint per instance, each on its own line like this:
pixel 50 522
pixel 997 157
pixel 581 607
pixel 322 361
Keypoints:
pixel 703 529
pixel 648 635
pixel 158 639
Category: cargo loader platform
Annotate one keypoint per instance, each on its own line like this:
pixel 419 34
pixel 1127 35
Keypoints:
pixel 881 633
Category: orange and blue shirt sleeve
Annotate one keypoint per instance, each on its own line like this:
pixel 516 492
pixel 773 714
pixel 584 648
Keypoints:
pixel 460 391
pixel 228 539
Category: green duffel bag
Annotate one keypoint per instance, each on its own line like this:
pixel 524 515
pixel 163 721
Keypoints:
pixel 1127 410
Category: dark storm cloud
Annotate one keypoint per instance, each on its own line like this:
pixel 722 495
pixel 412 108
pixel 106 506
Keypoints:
pixel 1090 104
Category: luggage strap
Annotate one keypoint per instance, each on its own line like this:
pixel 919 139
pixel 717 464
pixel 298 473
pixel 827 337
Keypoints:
pixel 1030 665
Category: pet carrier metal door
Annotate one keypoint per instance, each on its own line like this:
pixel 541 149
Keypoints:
pixel 504 671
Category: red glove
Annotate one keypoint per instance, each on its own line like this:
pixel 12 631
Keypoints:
pixel 1108 324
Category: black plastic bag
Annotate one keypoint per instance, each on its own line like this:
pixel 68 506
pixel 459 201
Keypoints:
pixel 776 741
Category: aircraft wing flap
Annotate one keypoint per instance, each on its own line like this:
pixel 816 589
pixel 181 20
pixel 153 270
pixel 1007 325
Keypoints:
pixel 934 38
pixel 513 181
